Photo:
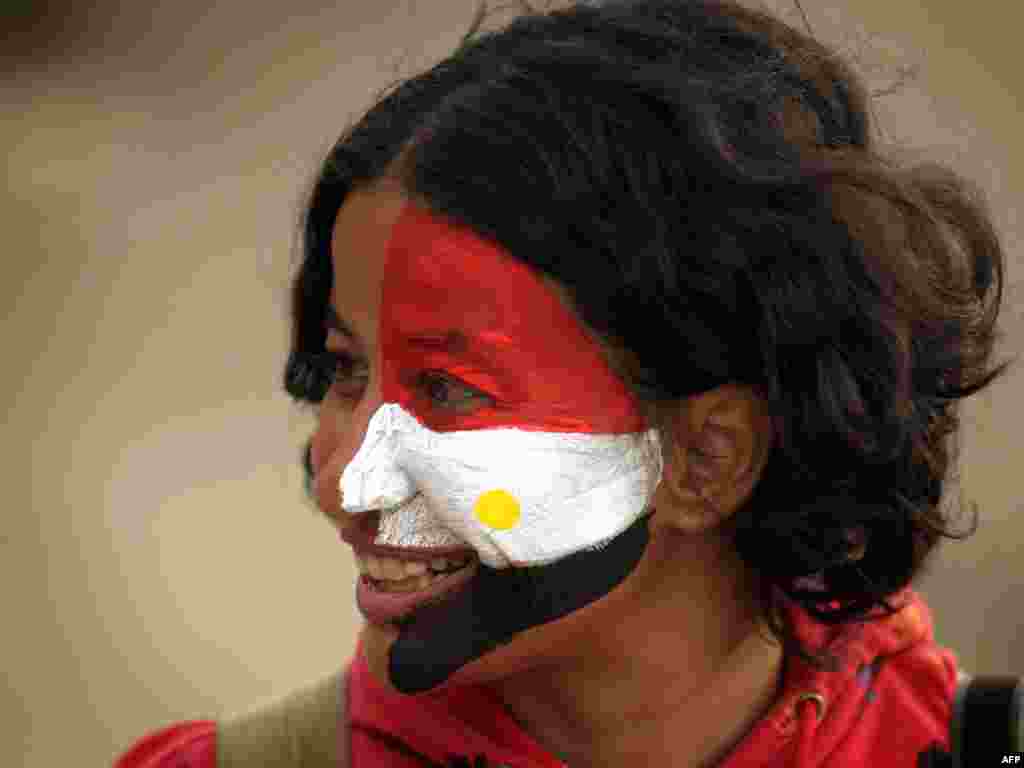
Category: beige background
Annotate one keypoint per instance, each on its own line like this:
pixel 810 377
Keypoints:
pixel 159 561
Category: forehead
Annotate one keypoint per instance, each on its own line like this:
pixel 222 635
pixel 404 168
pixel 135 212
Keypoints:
pixel 441 277
pixel 362 230
pixel 422 292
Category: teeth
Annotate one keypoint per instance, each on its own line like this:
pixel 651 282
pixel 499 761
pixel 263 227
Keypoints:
pixel 392 569
pixel 412 584
pixel 385 568
pixel 415 568
pixel 443 563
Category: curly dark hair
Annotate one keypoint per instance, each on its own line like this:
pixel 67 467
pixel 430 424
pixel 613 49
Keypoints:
pixel 702 180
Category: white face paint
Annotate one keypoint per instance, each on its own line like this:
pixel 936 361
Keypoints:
pixel 517 497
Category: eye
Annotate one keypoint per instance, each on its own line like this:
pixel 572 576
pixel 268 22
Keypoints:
pixel 341 373
pixel 450 393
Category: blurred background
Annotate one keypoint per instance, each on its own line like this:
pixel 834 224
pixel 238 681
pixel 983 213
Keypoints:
pixel 159 561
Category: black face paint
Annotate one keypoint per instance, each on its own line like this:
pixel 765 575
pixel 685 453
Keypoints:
pixel 435 641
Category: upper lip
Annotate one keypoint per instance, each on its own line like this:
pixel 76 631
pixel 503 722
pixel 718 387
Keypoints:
pixel 360 532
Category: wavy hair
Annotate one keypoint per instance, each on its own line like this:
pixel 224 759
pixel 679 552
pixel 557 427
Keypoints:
pixel 702 180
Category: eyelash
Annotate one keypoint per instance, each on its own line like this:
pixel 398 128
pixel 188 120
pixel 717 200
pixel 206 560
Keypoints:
pixel 328 369
pixel 337 367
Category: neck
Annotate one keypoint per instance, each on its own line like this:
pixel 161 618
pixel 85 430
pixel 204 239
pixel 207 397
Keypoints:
pixel 676 682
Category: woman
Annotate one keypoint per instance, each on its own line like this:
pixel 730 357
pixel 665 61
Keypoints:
pixel 636 363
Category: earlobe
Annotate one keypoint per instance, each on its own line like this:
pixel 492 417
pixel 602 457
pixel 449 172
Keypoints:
pixel 710 481
pixel 702 513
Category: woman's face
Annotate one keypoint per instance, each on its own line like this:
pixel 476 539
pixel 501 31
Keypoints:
pixel 526 373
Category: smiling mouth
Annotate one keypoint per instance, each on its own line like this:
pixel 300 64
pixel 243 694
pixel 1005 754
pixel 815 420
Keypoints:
pixel 390 602
pixel 395 575
pixel 396 581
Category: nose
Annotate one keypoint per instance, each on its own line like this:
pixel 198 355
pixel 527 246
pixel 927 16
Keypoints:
pixel 374 479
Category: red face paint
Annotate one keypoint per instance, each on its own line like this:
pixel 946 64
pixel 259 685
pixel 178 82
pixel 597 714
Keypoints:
pixel 457 304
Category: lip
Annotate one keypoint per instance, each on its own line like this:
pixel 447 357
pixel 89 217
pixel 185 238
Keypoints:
pixel 360 535
pixel 379 607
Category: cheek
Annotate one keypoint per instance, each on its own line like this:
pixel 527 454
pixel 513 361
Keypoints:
pixel 550 643
pixel 339 433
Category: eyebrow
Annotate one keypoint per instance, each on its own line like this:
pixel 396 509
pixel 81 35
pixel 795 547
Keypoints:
pixel 449 341
pixel 452 341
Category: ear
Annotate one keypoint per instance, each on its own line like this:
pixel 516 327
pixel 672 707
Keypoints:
pixel 718 444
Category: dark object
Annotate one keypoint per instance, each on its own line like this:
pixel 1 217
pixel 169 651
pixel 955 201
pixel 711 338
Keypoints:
pixel 986 722
pixel 934 757
pixel 436 640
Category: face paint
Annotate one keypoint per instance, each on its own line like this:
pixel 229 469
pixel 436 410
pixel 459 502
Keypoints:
pixel 561 463
pixel 558 464
pixel 523 498
pixel 455 302
pixel 436 641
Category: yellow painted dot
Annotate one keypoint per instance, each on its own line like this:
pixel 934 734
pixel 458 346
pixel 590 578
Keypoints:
pixel 497 509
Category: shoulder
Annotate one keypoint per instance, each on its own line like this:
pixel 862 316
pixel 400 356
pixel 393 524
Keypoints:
pixel 302 728
pixel 916 674
pixel 305 727
pixel 904 694
pixel 191 744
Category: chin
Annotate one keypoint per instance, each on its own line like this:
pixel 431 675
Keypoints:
pixel 504 621
pixel 530 649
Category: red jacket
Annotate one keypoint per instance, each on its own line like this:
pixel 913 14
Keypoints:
pixel 888 704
